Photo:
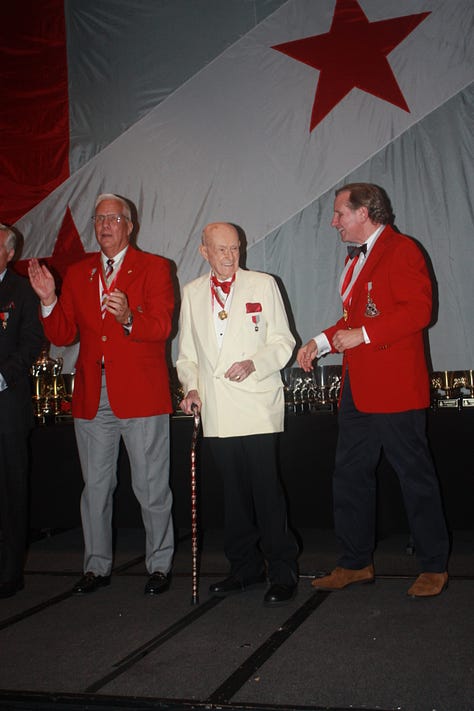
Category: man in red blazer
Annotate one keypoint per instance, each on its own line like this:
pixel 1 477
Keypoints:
pixel 119 303
pixel 386 295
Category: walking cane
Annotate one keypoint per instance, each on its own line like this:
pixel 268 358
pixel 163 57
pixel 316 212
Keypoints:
pixel 194 524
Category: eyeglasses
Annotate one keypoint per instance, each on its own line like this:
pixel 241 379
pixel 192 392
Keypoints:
pixel 100 219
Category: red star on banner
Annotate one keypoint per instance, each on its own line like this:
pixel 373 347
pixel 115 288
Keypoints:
pixel 67 250
pixel 353 54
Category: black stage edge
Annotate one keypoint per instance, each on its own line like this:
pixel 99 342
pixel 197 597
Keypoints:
pixel 82 702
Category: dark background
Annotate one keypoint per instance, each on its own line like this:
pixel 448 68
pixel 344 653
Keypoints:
pixel 306 458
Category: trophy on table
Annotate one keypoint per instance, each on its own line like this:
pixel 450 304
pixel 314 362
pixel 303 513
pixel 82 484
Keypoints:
pixel 47 389
pixel 328 383
pixel 443 392
pixel 463 384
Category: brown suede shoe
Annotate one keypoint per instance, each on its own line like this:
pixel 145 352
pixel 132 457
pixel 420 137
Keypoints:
pixel 428 585
pixel 340 578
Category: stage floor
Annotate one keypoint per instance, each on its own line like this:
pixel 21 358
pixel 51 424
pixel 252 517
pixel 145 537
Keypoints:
pixel 369 647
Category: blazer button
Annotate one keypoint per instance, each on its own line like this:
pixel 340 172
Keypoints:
pixel 104 338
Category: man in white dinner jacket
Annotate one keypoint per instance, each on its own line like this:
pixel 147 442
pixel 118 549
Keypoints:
pixel 234 340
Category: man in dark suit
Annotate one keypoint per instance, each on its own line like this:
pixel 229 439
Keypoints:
pixel 21 338
pixel 386 296
pixel 119 302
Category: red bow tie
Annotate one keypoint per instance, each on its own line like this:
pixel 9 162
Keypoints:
pixel 225 286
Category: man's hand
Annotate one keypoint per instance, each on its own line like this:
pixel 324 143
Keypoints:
pixel 192 398
pixel 42 282
pixel 345 339
pixel 239 371
pixel 306 355
pixel 117 305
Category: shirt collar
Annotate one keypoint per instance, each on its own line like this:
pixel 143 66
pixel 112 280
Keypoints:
pixel 118 259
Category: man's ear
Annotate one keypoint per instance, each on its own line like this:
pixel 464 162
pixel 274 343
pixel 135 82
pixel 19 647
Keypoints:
pixel 203 251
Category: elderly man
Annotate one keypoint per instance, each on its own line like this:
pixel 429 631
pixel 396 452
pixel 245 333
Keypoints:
pixel 386 298
pixel 234 340
pixel 21 338
pixel 119 302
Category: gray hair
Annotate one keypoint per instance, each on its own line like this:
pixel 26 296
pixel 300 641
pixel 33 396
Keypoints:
pixel 110 196
pixel 11 241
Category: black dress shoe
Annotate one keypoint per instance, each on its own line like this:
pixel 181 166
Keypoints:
pixel 279 595
pixel 90 583
pixel 157 583
pixel 11 588
pixel 232 585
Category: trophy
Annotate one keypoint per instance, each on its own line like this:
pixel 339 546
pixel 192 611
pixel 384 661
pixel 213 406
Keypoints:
pixel 46 392
pixel 463 383
pixel 287 378
pixel 443 393
pixel 65 389
pixel 328 383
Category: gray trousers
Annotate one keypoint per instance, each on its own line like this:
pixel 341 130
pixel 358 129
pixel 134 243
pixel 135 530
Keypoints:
pixel 147 442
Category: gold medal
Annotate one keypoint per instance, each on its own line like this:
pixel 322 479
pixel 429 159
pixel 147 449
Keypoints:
pixel 222 315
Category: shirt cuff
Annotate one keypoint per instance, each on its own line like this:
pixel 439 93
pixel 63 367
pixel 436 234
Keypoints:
pixel 46 310
pixel 323 344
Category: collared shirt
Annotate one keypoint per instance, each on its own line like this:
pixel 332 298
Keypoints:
pixel 220 325
pixel 321 339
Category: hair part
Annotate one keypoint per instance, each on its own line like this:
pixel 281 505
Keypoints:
pixel 372 197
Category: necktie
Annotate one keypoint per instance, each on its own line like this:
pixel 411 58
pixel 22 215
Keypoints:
pixel 109 269
pixel 224 286
pixel 353 251
pixel 105 291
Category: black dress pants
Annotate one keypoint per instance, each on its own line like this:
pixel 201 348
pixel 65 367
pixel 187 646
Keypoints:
pixel 256 529
pixel 402 435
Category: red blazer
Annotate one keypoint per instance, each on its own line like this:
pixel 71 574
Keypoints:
pixel 390 374
pixel 135 365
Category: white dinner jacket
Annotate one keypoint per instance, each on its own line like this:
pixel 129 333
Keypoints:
pixel 256 404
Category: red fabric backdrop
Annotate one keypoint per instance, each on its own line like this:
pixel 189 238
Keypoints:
pixel 34 120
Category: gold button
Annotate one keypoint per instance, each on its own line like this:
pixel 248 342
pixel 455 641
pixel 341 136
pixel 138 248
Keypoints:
pixel 104 338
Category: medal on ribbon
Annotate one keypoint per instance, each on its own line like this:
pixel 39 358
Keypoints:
pixel 371 309
pixel 5 314
pixel 254 309
pixel 220 292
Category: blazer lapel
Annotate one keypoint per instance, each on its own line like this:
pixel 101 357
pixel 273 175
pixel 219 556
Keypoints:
pixel 128 270
pixel 202 307
pixel 236 314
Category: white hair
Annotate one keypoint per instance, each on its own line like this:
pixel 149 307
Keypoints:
pixel 10 242
pixel 111 196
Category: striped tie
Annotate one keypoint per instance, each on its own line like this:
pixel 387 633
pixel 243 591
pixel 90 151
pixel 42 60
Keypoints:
pixel 108 270
pixel 108 274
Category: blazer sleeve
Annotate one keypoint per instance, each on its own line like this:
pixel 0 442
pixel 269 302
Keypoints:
pixel 187 361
